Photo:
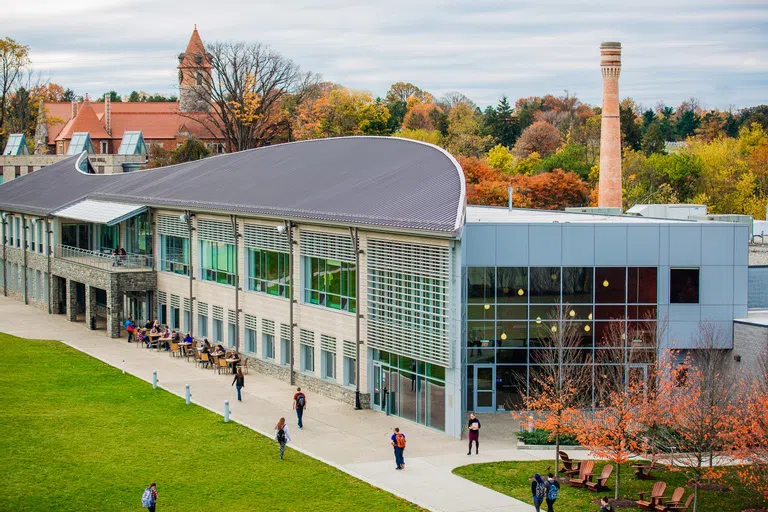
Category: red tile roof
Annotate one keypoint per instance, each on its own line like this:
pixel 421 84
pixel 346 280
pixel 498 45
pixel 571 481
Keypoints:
pixel 195 47
pixel 86 120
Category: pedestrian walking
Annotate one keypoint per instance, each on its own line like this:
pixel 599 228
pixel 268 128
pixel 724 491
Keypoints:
pixel 240 381
pixel 149 498
pixel 398 443
pixel 473 427
pixel 538 491
pixel 605 506
pixel 130 327
pixel 553 490
pixel 299 403
pixel 282 436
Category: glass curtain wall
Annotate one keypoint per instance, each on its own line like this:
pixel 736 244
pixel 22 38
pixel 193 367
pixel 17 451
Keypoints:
pixel 513 312
pixel 413 390
pixel 174 254
pixel 268 272
pixel 330 283
pixel 217 262
pixel 138 234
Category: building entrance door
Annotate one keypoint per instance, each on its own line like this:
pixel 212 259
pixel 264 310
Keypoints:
pixel 485 388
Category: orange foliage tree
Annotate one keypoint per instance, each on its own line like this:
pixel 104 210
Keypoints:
pixel 541 137
pixel 421 116
pixel 551 190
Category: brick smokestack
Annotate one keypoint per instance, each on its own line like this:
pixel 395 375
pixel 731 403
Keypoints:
pixel 609 189
pixel 108 113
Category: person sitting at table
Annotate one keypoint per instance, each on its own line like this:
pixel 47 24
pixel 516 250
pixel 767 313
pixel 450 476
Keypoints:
pixel 167 336
pixel 206 349
pixel 140 338
pixel 219 350
pixel 206 345
pixel 188 338
pixel 234 355
pixel 148 325
pixel 175 336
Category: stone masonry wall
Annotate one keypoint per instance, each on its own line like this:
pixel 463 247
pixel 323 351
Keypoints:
pixel 750 341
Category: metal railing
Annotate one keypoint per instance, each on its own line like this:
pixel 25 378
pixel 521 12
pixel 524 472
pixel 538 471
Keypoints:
pixel 111 262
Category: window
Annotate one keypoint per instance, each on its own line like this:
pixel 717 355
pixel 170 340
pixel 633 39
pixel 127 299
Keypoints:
pixel 110 238
pixel 328 364
pixel 18 231
pixel 307 358
pixel 218 330
pixel 32 235
pixel 199 78
pixel 268 272
pixel 138 234
pixel 187 321
pixel 250 340
pixel 175 318
pixel 174 254
pixel 10 231
pixel 162 313
pixel 40 237
pixel 330 283
pixel 202 325
pixel 285 351
pixel 17 171
pixel 349 371
pixel 103 147
pixel 231 334
pixel 268 340
pixel 684 286
pixel 217 262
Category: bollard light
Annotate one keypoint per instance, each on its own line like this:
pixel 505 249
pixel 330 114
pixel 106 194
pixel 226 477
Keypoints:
pixel 188 395
pixel 123 366
pixel 154 379
pixel 226 411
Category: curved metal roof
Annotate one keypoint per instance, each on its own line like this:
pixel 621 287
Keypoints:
pixel 378 181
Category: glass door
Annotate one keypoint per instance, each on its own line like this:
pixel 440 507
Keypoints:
pixel 485 386
pixel 377 387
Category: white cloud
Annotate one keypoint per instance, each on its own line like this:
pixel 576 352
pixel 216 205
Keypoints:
pixel 485 48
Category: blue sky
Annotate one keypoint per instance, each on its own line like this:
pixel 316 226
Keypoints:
pixel 716 51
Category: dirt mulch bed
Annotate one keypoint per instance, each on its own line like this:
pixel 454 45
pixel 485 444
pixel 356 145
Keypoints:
pixel 620 503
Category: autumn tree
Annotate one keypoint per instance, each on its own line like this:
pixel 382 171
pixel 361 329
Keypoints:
pixel 14 58
pixel 464 137
pixel 422 116
pixel 554 190
pixel 541 137
pixel 246 91
pixel 401 91
pixel 501 159
pixel 560 378
pixel 190 150
pixel 341 112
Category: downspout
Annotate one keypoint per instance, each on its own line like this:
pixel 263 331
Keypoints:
pixel 236 235
pixel 191 275
pixel 49 232
pixel 24 249
pixel 5 263
pixel 353 233
pixel 291 286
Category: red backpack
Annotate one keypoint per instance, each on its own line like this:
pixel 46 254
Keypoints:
pixel 399 440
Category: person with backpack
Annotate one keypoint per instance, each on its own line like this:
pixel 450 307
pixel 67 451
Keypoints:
pixel 149 498
pixel 240 380
pixel 605 506
pixel 130 327
pixel 538 491
pixel 553 489
pixel 398 443
pixel 299 403
pixel 282 436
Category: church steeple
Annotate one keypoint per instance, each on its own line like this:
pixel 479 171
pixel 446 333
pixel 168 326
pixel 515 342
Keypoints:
pixel 194 76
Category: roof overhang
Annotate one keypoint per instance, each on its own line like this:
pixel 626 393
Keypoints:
pixel 100 212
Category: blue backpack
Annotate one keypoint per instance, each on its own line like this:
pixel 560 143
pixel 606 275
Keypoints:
pixel 552 491
pixel 146 498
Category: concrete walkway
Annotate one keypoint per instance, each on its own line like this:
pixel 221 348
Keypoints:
pixel 356 442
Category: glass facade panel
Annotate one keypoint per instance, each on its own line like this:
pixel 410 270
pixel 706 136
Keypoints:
pixel 268 272
pixel 217 262
pixel 174 254
pixel 512 285
pixel 610 285
pixel 577 285
pixel 330 283
pixel 545 284
pixel 480 285
pixel 642 283
pixel 512 334
pixel 684 285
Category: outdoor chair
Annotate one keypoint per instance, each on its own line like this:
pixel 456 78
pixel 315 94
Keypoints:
pixel 643 471
pixel 175 350
pixel 222 365
pixel 585 474
pixel 243 365
pixel 196 356
pixel 656 494
pixel 205 360
pixel 674 500
pixel 604 476
pixel 680 508
pixel 568 463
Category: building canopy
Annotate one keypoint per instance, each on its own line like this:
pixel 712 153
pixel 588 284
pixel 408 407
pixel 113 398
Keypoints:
pixel 100 212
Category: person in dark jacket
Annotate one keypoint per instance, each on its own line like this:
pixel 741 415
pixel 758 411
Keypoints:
pixel 473 433
pixel 605 506
pixel 538 491
pixel 553 490
pixel 240 381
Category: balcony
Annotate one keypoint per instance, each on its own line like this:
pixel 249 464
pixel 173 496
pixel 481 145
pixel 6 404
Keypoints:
pixel 104 261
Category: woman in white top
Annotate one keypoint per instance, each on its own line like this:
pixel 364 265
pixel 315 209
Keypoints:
pixel 282 436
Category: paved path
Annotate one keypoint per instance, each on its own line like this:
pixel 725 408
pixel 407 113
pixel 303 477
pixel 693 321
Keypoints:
pixel 356 442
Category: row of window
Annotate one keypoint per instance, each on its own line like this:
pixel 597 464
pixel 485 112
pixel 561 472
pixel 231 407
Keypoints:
pixel 36 281
pixel 35 234
pixel 329 283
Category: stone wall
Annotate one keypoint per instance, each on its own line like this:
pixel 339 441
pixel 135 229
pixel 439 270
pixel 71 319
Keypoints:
pixel 758 287
pixel 750 342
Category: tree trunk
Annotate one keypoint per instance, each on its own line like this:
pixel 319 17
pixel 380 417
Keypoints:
pixel 696 497
pixel 618 481
pixel 557 454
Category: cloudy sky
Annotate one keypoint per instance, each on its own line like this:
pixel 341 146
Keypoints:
pixel 716 51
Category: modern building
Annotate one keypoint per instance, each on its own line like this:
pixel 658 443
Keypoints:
pixel 354 264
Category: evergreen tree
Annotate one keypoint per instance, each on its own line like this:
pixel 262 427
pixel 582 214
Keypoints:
pixel 631 136
pixel 649 116
pixel 653 140
pixel 687 124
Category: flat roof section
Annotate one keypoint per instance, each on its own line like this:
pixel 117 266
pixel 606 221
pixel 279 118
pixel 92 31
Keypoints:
pixel 503 215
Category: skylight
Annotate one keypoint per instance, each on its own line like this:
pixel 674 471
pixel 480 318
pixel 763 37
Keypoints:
pixel 17 145
pixel 81 141
pixel 132 144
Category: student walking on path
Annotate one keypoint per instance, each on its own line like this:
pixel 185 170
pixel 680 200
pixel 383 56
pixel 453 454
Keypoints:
pixel 240 381
pixel 149 498
pixel 398 443
pixel 299 403
pixel 553 490
pixel 282 436
pixel 473 427
pixel 538 491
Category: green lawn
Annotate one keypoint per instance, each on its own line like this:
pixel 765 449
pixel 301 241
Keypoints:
pixel 77 434
pixel 513 479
